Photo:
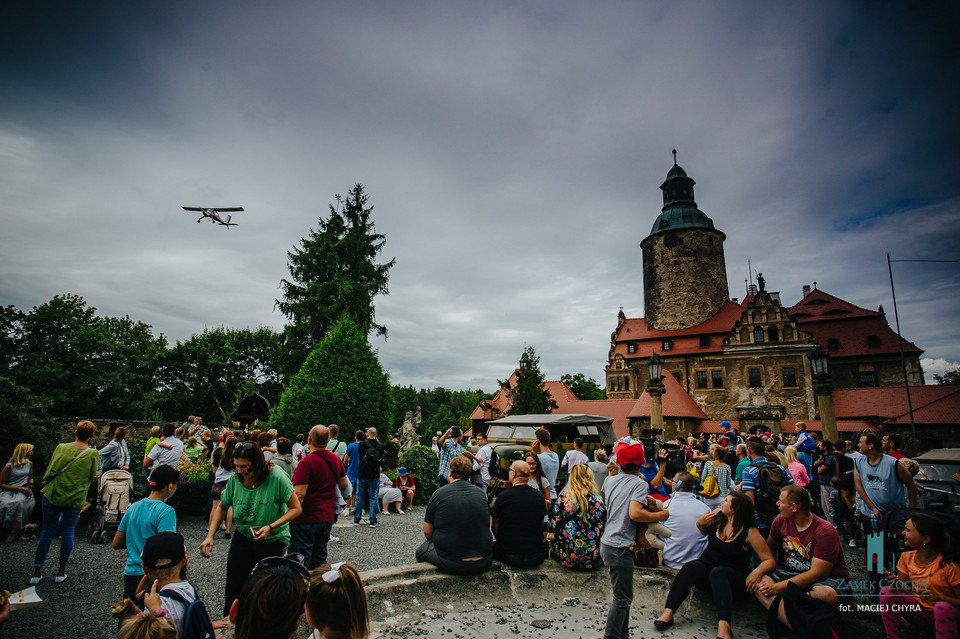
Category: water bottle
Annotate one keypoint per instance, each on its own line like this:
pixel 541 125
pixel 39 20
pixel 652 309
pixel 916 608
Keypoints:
pixel 875 521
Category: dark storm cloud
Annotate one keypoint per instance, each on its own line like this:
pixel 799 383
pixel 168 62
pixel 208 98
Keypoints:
pixel 512 152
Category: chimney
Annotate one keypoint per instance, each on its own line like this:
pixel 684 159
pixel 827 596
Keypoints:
pixel 752 289
pixel 806 290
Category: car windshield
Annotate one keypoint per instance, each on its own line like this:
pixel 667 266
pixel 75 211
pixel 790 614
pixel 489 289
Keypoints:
pixel 499 432
pixel 937 471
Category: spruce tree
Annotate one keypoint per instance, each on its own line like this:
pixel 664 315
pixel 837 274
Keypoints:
pixel 530 395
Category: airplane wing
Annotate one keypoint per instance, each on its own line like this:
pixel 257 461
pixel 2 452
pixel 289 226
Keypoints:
pixel 191 208
pixel 230 210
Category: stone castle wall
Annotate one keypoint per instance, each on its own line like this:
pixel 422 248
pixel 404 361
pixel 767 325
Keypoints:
pixel 671 263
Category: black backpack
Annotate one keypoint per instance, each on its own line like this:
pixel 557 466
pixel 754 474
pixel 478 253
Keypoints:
pixel 371 457
pixel 196 621
pixel 809 618
pixel 771 479
pixel 493 466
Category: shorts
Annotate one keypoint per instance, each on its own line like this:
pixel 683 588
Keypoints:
pixel 830 582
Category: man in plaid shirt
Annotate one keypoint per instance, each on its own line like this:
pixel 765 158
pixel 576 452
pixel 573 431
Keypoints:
pixel 449 448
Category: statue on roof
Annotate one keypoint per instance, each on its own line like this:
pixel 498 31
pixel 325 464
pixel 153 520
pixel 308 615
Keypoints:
pixel 760 281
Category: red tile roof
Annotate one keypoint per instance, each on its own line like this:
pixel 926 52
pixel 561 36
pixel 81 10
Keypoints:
pixel 933 404
pixel 676 402
pixel 828 317
pixel 686 340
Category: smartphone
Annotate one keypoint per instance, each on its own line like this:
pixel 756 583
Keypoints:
pixel 253 531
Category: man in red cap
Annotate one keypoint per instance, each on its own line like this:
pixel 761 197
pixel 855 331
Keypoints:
pixel 626 496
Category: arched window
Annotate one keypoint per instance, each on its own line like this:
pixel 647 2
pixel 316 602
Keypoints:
pixel 772 334
pixel 758 336
pixel 772 315
pixel 787 334
pixel 756 316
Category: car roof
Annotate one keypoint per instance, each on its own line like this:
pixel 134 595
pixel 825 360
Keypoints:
pixel 549 419
pixel 940 455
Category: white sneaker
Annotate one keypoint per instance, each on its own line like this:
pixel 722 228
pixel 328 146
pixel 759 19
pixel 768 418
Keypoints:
pixel 853 543
pixel 333 540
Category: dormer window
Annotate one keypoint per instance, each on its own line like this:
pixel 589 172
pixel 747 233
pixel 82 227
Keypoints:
pixel 666 344
pixel 873 341
pixel 705 342
pixel 833 344
pixel 631 348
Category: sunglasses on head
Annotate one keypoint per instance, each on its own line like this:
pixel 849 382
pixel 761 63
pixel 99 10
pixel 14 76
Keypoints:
pixel 289 562
pixel 242 448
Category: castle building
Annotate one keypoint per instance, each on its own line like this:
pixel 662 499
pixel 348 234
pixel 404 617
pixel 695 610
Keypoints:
pixel 745 361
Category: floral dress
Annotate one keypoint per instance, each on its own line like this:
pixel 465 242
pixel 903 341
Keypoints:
pixel 576 543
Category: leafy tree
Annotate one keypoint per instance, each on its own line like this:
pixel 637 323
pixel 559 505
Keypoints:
pixel 341 382
pixel 950 376
pixel 333 273
pixel 11 322
pixel 207 373
pixel 24 419
pixel 530 395
pixel 583 387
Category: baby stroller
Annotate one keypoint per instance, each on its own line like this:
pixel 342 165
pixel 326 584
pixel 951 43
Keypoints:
pixel 114 489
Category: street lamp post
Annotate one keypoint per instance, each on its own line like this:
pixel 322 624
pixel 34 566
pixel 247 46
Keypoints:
pixel 823 389
pixel 656 389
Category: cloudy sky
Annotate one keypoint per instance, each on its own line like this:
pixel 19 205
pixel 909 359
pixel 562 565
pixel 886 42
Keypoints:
pixel 512 151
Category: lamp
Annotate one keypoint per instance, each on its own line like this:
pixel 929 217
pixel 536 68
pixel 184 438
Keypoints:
pixel 818 362
pixel 655 367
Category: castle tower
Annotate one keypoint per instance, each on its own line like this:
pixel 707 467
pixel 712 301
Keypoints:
pixel 684 274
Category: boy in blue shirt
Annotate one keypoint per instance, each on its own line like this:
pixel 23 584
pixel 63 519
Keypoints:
pixel 143 520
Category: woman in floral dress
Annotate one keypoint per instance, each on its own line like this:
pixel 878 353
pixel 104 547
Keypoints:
pixel 577 522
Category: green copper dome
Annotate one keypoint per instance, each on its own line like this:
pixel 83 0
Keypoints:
pixel 679 206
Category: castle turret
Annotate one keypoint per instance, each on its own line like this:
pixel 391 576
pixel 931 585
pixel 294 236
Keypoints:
pixel 684 273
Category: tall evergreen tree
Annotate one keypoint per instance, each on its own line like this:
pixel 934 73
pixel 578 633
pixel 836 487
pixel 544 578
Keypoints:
pixel 341 382
pixel 334 273
pixel 529 395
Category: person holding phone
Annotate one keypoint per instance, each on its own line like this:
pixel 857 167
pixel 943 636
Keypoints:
pixel 264 503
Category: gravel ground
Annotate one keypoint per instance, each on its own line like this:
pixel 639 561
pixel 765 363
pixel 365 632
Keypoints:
pixel 79 606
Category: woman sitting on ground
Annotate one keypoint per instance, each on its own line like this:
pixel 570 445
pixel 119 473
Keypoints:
pixel 16 497
pixel 935 578
pixel 407 487
pixel 271 601
pixel 723 567
pixel 337 604
pixel 577 522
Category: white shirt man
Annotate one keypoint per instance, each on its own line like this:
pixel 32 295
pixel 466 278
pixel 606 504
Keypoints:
pixel 574 457
pixel 686 543
pixel 483 459
pixel 161 456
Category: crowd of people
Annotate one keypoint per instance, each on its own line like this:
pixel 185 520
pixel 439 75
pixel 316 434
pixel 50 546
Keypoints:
pixel 763 517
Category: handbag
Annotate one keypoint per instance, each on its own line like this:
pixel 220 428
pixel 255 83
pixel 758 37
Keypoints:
pixel 49 480
pixel 710 486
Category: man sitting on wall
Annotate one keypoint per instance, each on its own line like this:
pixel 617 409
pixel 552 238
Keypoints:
pixel 517 521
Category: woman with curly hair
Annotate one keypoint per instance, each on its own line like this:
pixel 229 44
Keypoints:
pixel 577 522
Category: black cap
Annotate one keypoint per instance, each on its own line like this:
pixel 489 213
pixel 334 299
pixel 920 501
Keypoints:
pixel 163 550
pixel 163 476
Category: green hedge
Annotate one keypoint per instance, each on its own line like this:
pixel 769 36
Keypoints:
pixel 424 465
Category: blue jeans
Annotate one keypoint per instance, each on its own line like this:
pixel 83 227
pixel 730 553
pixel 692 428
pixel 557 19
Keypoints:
pixel 310 541
pixel 56 520
pixel 368 492
pixel 620 563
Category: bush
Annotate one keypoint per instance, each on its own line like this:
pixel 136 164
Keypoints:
pixel 424 465
pixel 193 495
pixel 391 455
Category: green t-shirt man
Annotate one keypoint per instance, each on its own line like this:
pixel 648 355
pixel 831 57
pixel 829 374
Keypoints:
pixel 261 506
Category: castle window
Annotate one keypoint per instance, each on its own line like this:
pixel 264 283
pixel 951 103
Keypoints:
pixel 758 336
pixel 773 334
pixel 702 379
pixel 631 348
pixel 619 383
pixel 613 384
pixel 666 344
pixel 789 376
pixel 705 342
pixel 873 341
pixel 717 378
pixel 755 378
pixel 626 383
pixel 868 379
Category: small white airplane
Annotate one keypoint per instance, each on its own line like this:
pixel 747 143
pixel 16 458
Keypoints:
pixel 214 214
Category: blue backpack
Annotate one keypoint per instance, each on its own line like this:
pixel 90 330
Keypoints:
pixel 196 621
